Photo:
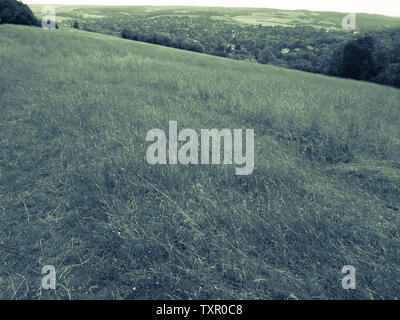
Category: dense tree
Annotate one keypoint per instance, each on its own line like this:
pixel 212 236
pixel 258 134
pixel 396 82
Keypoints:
pixel 396 76
pixel 266 56
pixel 358 61
pixel 13 11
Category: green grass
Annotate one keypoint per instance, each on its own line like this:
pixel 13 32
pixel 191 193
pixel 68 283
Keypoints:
pixel 77 193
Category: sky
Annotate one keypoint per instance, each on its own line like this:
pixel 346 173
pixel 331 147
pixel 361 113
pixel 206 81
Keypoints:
pixel 386 7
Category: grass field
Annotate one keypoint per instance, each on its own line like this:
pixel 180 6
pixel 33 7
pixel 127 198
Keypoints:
pixel 77 193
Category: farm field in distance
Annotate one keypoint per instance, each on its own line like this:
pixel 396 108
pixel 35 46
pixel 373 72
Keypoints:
pixel 76 191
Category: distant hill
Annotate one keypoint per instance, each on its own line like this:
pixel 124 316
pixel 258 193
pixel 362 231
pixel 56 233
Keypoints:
pixel 77 193
pixel 254 16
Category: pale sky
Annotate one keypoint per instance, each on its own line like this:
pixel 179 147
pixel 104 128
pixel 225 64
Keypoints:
pixel 386 7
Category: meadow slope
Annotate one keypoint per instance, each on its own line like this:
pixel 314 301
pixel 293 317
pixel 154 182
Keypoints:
pixel 77 193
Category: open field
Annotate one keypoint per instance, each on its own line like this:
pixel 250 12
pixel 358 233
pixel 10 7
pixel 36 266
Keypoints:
pixel 77 193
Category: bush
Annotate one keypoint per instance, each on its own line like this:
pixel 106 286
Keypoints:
pixel 266 56
pixel 359 60
pixel 12 11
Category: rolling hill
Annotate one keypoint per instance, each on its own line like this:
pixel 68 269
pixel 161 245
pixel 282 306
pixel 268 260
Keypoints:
pixel 77 193
pixel 242 16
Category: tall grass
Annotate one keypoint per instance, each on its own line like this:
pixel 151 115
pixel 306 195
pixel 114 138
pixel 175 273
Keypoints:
pixel 77 193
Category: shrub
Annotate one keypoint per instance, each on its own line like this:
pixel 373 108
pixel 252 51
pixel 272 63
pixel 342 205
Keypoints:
pixel 13 11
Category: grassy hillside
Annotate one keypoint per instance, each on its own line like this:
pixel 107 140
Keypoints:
pixel 77 193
